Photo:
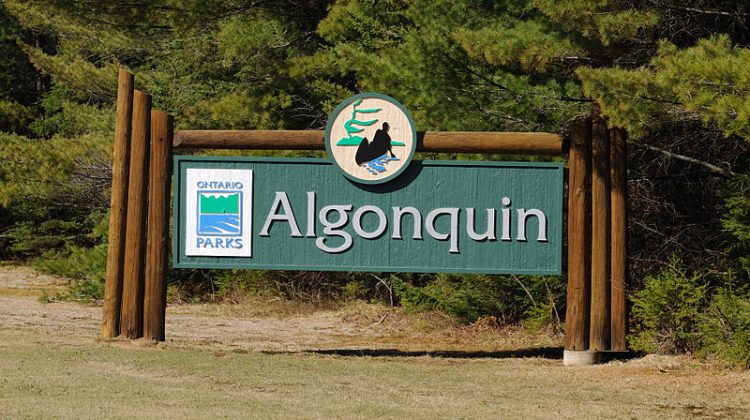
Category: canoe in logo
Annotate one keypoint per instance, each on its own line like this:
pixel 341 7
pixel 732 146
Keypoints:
pixel 220 213
pixel 371 138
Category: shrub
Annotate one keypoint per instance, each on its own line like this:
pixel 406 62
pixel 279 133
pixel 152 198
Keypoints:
pixel 544 313
pixel 85 267
pixel 666 311
pixel 470 297
pixel 53 194
pixel 355 289
pixel 736 195
pixel 725 328
pixel 233 285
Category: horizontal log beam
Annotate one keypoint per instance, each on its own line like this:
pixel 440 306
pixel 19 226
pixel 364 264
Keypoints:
pixel 510 143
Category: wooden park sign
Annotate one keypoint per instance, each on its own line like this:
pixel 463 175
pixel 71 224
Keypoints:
pixel 368 208
pixel 302 214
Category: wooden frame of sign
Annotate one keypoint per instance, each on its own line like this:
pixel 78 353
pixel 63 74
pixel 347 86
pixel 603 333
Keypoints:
pixel 137 259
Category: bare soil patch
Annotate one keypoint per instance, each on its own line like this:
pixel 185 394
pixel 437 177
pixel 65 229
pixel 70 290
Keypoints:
pixel 270 325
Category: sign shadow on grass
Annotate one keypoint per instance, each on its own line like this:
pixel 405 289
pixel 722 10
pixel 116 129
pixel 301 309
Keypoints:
pixel 541 352
pixel 552 353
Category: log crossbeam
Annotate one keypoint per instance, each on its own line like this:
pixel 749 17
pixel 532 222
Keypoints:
pixel 510 143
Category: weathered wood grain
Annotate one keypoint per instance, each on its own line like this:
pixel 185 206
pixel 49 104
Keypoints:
pixel 600 237
pixel 157 244
pixel 547 144
pixel 579 244
pixel 118 207
pixel 132 291
pixel 618 175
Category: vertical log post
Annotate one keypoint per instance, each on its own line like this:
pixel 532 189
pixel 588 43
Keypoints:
pixel 118 207
pixel 157 245
pixel 619 267
pixel 579 245
pixel 600 233
pixel 132 290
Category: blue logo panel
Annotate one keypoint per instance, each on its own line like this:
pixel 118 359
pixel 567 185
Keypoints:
pixel 219 213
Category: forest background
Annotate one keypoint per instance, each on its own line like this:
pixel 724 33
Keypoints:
pixel 673 73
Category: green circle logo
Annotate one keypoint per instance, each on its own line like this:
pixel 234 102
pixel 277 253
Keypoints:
pixel 371 137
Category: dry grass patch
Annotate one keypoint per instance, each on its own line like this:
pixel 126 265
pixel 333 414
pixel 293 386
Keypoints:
pixel 39 379
pixel 216 363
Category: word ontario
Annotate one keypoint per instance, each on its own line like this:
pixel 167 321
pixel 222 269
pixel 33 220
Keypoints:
pixel 336 217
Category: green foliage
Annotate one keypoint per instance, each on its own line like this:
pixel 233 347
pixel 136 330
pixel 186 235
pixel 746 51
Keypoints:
pixel 544 313
pixel 667 309
pixel 233 285
pixel 30 237
pixel 66 115
pixel 725 327
pixel 607 22
pixel 708 81
pixel 14 116
pixel 737 219
pixel 236 285
pixel 76 72
pixel 53 191
pixel 676 312
pixel 625 25
pixel 84 266
pixel 470 297
pixel 355 290
pixel 20 83
pixel 529 45
pixel 414 52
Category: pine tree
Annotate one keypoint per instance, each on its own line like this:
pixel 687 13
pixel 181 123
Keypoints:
pixel 672 72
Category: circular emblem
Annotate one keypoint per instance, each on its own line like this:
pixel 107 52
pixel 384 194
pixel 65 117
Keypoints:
pixel 371 138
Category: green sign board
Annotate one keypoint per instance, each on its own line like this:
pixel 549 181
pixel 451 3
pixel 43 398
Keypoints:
pixel 302 214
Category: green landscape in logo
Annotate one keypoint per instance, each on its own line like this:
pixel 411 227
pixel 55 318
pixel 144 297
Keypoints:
pixel 219 203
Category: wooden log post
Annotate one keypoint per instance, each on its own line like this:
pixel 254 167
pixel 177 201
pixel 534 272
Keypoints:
pixel 619 269
pixel 548 144
pixel 157 244
pixel 600 237
pixel 132 291
pixel 118 206
pixel 579 245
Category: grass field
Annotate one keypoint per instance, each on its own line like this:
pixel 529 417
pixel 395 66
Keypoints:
pixel 52 366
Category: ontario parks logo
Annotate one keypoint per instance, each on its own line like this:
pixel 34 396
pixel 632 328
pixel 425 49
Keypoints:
pixel 220 213
pixel 371 138
pixel 219 219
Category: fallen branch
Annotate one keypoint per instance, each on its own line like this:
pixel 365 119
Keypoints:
pixel 717 170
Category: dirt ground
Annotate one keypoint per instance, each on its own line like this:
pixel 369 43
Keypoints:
pixel 281 359
pixel 271 326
